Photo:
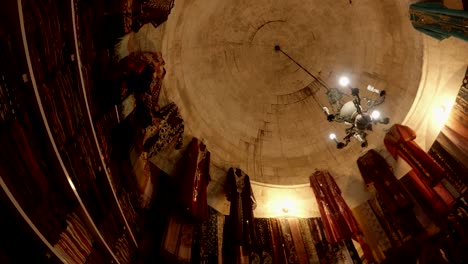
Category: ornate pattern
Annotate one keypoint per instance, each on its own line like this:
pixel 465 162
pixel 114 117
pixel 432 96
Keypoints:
pixel 375 170
pixel 399 141
pixel 435 20
pixel 167 129
pixel 336 216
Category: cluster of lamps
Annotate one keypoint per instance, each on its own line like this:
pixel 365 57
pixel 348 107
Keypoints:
pixel 359 122
pixel 357 119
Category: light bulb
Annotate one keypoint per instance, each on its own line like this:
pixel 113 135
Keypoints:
pixel 332 136
pixel 373 89
pixel 375 114
pixel 344 81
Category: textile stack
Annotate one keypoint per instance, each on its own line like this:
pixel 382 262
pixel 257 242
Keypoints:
pixel 31 182
pixel 61 103
pixel 456 171
pixel 43 18
pixel 454 135
pixel 75 243
pixel 25 165
pixel 122 250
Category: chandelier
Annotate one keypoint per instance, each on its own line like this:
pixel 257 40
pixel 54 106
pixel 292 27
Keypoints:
pixel 358 114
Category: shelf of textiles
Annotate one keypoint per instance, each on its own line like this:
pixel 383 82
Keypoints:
pixel 74 243
pixel 30 172
pixel 81 158
pixel 90 181
pixel 48 27
pixel 26 167
pixel 18 237
pixel 30 167
pixel 118 18
pixel 108 82
pixel 456 172
pixel 116 155
pixel 137 74
pixel 127 194
pixel 49 37
pixel 77 244
pixel 96 43
pixel 96 64
pixel 93 53
pixel 119 168
pixel 65 107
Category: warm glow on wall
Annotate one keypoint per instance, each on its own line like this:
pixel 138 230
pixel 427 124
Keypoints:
pixel 284 201
pixel 286 205
pixel 440 114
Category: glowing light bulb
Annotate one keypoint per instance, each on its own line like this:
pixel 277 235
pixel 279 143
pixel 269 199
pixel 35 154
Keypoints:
pixel 344 81
pixel 332 136
pixel 375 114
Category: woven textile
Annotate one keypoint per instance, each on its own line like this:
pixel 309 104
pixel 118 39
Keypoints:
pixel 194 179
pixel 75 243
pixel 167 129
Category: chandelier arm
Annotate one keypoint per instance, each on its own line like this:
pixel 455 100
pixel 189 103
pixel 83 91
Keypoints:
pixel 357 103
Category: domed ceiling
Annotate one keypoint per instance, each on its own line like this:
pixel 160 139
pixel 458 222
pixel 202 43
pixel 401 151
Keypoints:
pixel 247 102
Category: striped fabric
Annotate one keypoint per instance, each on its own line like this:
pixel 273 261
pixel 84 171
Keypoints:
pixel 75 243
pixel 298 240
pixel 308 241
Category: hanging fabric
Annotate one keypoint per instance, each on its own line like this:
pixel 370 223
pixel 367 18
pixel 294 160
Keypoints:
pixel 194 180
pixel 166 129
pixel 437 21
pixel 240 225
pixel 338 220
pixel 392 197
pixel 399 141
pixel 375 234
pixel 376 171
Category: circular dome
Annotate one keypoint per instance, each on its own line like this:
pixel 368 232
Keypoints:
pixel 258 110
